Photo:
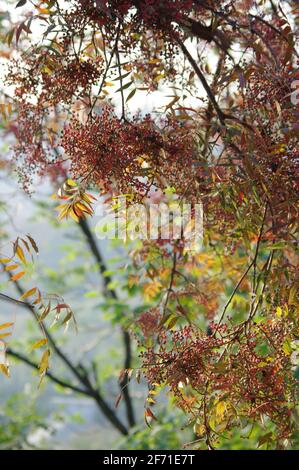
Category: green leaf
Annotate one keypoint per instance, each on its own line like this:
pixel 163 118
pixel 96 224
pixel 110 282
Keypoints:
pixel 131 94
pixel 286 347
pixel 121 77
pixel 124 87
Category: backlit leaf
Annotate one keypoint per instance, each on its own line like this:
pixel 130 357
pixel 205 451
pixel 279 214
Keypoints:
pixel 11 267
pixel 28 293
pixel 17 276
pixel 6 325
pixel 4 369
pixel 44 363
pixel 39 344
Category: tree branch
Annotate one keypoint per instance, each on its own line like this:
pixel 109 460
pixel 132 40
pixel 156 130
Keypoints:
pixel 21 357
pixel 81 377
pixel 124 383
pixel 7 298
pixel 221 115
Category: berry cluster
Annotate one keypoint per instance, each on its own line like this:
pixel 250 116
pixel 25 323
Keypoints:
pixel 129 157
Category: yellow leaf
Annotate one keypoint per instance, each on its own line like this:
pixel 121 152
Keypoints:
pixel 44 363
pixel 88 197
pixel 150 400
pixel 45 312
pixel 28 293
pixel 61 206
pixel 73 215
pixel 4 369
pixel 152 289
pixel 39 344
pixel 279 312
pixel 20 254
pixel 154 61
pixel 64 212
pixel 286 347
pixel 220 409
pixel 71 182
pixel 199 429
pixel 11 267
pixel 38 299
pixel 159 77
pixel 4 335
pixel 84 208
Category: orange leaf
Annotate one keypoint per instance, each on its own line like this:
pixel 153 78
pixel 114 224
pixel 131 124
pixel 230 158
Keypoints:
pixel 149 414
pixel 6 325
pixel 17 276
pixel 28 293
pixel 5 335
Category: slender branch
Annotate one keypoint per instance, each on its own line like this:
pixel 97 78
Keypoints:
pixel 267 268
pixel 123 112
pixel 21 357
pixel 83 224
pixel 169 290
pixel 105 72
pixel 203 80
pixel 49 336
pixel 7 298
pixel 251 264
pixel 232 296
pixel 221 115
pixel 81 377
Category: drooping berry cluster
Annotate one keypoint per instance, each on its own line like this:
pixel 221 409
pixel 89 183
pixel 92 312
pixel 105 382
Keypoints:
pixel 127 156
pixel 254 375
pixel 53 78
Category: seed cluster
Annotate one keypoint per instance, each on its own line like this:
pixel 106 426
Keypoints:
pixel 258 381
pixel 129 157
